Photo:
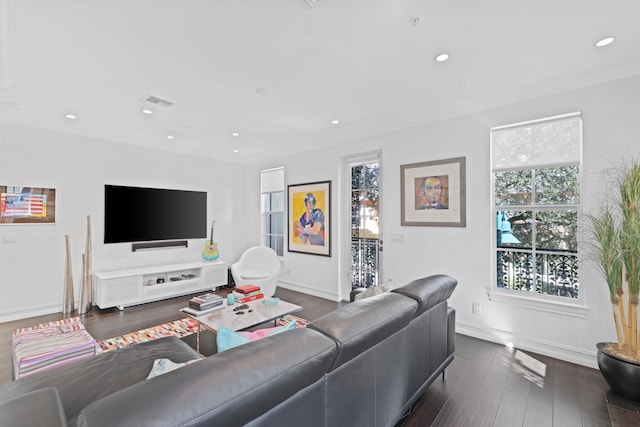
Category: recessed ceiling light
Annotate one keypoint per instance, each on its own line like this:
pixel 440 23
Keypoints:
pixel 236 151
pixel 235 134
pixel 171 137
pixel 335 122
pixel 147 111
pixel 441 57
pixel 71 116
pixel 605 41
pixel 262 91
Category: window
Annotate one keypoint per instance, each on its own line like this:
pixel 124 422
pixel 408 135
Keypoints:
pixel 272 207
pixel 536 200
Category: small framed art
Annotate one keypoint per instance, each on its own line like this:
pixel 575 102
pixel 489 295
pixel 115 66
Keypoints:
pixel 434 193
pixel 27 205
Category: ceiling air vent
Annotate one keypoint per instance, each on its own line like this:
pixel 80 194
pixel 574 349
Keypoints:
pixel 310 4
pixel 157 101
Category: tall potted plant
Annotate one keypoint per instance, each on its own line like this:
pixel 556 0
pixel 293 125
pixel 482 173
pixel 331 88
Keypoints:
pixel 616 233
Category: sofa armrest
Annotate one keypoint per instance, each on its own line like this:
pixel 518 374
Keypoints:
pixel 37 408
pixel 428 291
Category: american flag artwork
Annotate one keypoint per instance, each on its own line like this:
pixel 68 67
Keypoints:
pixel 23 205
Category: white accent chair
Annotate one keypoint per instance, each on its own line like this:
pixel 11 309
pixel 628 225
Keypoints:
pixel 258 265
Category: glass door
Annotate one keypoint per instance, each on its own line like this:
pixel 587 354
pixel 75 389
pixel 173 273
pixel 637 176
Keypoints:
pixel 366 245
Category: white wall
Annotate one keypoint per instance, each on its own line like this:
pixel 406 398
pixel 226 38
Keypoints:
pixel 32 268
pixel 611 129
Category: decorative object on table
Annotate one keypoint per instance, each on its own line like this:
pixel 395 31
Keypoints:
pixel 210 251
pixel 27 205
pixel 68 300
pixel 86 289
pixel 616 242
pixel 309 218
pixel 434 193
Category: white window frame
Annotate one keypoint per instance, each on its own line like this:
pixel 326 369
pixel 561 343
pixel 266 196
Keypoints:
pixel 271 181
pixel 532 300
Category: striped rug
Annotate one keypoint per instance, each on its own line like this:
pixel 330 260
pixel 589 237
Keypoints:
pixel 179 328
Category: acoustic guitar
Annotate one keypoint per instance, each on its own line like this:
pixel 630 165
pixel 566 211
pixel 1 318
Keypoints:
pixel 210 251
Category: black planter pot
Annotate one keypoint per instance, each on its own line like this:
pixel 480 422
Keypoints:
pixel 622 375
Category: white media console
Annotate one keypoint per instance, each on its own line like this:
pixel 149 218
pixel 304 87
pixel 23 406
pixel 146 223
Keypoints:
pixel 121 288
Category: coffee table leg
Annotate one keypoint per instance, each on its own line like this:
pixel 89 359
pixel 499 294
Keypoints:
pixel 198 338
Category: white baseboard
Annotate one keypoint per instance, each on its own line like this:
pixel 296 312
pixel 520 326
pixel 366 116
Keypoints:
pixel 26 312
pixel 545 348
pixel 292 286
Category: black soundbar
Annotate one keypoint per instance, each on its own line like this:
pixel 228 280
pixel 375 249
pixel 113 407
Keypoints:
pixel 155 245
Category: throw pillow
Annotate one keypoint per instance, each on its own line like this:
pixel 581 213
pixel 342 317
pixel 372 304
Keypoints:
pixel 162 366
pixel 227 338
pixel 370 292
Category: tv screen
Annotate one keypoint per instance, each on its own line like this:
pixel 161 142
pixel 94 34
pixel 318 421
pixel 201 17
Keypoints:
pixel 136 214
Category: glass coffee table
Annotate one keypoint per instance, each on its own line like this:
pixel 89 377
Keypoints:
pixel 257 312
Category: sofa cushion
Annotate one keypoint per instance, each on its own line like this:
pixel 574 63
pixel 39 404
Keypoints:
pixel 227 338
pixel 86 381
pixel 37 408
pixel 358 326
pixel 226 389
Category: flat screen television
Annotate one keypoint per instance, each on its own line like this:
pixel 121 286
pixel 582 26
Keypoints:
pixel 137 214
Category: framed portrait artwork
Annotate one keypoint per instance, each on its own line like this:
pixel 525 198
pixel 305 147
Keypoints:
pixel 309 218
pixel 434 193
pixel 27 205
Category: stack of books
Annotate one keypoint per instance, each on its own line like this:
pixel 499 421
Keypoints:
pixel 246 293
pixel 203 304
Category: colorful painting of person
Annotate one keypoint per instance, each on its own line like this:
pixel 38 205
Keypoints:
pixel 309 228
pixel 432 192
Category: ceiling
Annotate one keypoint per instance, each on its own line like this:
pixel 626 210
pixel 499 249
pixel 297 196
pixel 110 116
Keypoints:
pixel 279 71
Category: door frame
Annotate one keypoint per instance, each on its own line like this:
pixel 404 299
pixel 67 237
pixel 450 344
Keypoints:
pixel 344 206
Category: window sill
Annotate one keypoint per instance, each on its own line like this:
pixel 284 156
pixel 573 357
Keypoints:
pixel 556 307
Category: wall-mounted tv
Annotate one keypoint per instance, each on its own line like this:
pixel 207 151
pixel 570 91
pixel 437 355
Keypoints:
pixel 137 214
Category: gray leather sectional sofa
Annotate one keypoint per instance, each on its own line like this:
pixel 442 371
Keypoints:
pixel 363 364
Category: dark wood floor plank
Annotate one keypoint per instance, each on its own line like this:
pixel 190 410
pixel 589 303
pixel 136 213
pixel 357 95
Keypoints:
pixel 511 410
pixel 537 414
pixel 483 409
pixel 566 406
pixel 455 411
pixel 587 421
pixel 623 418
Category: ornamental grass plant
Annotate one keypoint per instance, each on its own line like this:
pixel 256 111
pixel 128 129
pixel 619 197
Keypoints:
pixel 616 237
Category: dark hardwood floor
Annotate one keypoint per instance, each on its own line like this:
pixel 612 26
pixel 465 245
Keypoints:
pixel 486 385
